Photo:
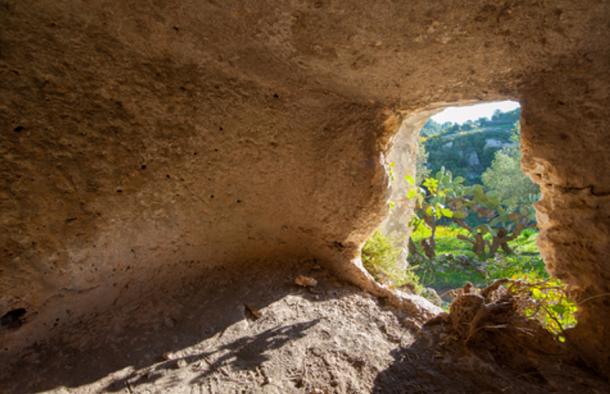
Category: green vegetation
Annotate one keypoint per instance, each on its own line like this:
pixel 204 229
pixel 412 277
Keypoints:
pixel 470 232
pixel 459 231
pixel 547 301
pixel 380 258
pixel 505 180
pixel 467 150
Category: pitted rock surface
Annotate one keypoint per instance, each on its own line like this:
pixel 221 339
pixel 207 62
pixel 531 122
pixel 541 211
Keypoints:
pixel 141 142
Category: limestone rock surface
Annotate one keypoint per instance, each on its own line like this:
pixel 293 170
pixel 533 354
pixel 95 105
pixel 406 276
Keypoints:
pixel 143 140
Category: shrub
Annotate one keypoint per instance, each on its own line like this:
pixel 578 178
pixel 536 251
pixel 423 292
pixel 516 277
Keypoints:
pixel 546 300
pixel 381 259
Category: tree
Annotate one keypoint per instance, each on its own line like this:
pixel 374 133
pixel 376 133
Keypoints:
pixel 431 208
pixel 490 224
pixel 455 146
pixel 505 180
pixel 494 224
pixel 431 128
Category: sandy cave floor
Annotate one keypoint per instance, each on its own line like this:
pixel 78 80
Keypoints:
pixel 207 338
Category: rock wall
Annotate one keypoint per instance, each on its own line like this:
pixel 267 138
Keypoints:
pixel 566 147
pixel 141 141
pixel 401 162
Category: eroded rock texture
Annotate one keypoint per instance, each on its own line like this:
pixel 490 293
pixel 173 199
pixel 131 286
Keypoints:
pixel 143 140
pixel 401 159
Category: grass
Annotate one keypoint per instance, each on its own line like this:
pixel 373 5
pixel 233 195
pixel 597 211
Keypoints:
pixel 456 264
pixel 526 242
pixel 546 299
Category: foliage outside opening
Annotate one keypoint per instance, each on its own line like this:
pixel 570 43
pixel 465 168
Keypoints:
pixel 474 222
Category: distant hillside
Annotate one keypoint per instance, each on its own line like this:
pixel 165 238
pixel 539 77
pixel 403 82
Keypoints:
pixel 468 149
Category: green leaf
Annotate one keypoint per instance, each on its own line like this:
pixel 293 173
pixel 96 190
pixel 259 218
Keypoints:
pixel 446 212
pixel 460 214
pixel 484 228
pixel 431 184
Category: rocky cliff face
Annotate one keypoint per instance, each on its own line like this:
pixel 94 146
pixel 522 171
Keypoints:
pixel 401 162
pixel 142 141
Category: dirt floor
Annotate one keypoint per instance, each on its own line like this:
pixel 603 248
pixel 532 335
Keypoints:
pixel 262 333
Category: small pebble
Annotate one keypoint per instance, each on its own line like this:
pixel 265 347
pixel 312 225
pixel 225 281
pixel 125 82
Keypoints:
pixel 305 281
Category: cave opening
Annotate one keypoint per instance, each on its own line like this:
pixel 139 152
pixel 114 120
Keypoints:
pixel 462 213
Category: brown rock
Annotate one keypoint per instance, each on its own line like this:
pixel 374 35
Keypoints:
pixel 305 281
pixel 265 135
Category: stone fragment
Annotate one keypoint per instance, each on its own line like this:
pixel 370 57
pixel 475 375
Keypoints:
pixel 305 281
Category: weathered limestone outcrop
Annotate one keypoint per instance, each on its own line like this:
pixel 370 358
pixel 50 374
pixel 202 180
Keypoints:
pixel 401 160
pixel 143 140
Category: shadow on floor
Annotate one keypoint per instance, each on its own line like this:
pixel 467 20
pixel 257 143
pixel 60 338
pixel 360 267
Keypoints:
pixel 125 341
pixel 431 365
pixel 246 353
